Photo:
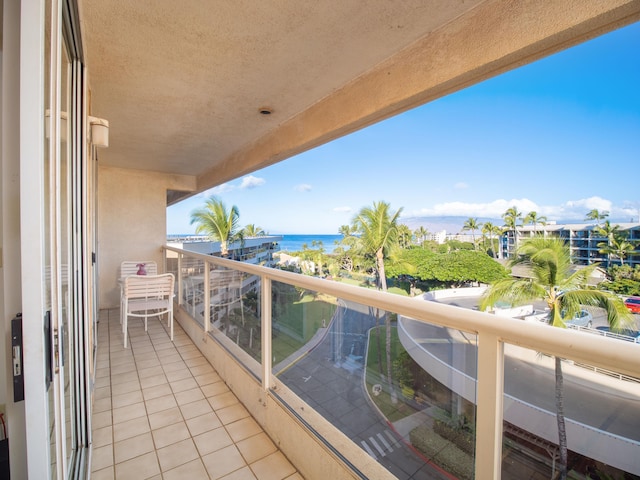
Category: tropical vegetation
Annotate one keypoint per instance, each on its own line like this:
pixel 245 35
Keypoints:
pixel 565 292
pixel 218 222
pixel 379 232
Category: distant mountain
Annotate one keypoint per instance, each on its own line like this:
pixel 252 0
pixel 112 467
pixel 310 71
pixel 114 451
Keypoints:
pixel 452 224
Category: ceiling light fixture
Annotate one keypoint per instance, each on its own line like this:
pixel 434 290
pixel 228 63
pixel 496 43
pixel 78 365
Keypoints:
pixel 265 111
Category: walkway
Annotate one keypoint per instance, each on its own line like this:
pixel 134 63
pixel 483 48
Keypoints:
pixel 162 412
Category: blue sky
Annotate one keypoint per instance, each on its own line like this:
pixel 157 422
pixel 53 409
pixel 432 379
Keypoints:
pixel 560 136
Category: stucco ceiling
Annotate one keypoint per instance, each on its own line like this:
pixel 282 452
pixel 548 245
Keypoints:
pixel 182 82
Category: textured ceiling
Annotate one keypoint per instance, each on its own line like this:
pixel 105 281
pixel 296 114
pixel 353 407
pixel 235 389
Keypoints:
pixel 181 82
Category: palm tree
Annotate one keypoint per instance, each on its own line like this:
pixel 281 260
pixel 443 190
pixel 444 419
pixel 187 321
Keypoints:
pixel 618 246
pixel 565 293
pixel 422 234
pixel 473 225
pixel 498 231
pixel 511 217
pixel 252 230
pixel 347 230
pixel 608 231
pixel 405 236
pixel 218 223
pixel 378 228
pixel 533 218
pixel 596 215
pixel 489 229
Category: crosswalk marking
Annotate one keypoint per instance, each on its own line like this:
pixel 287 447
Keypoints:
pixel 369 451
pixel 391 437
pixel 375 444
pixel 380 444
pixel 387 446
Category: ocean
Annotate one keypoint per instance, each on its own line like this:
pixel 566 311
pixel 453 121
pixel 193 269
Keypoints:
pixel 293 243
pixel 289 243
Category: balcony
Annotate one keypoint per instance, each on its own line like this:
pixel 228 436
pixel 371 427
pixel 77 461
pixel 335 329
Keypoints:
pixel 309 388
pixel 160 408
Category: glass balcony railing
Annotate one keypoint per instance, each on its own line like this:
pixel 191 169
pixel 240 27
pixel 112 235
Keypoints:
pixel 427 390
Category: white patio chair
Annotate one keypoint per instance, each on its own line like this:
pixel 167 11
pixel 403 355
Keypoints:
pixel 130 267
pixel 147 296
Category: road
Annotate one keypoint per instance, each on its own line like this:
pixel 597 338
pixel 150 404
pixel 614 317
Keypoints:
pixel 330 379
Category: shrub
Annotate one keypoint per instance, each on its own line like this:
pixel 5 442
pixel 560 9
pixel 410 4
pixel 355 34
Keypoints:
pixel 442 452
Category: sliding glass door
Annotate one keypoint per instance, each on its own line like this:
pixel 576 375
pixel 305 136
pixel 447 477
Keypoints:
pixel 68 241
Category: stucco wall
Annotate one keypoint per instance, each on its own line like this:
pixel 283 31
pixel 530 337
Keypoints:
pixel 132 216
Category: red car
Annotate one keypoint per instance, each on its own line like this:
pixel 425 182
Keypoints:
pixel 633 304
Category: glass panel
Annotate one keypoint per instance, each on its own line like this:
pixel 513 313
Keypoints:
pixel 66 287
pixel 601 417
pixel 192 278
pixel 47 174
pixel 403 391
pixel 235 308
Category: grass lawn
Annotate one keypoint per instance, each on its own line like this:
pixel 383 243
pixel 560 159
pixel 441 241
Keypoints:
pixel 302 319
pixel 392 411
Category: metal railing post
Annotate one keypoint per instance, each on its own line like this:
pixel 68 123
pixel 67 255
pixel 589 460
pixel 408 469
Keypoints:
pixel 207 297
pixel 489 402
pixel 265 317
pixel 178 277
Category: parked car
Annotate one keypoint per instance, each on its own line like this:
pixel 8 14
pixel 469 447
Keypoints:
pixel 633 304
pixel 582 318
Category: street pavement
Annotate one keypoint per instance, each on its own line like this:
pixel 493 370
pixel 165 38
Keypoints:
pixel 330 379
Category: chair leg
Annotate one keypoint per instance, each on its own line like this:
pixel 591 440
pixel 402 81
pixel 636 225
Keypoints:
pixel 171 322
pixel 124 328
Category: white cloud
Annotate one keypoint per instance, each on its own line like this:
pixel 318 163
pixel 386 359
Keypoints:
pixel 492 209
pixel 219 190
pixel 302 187
pixel 571 210
pixel 252 182
pixel 461 186
pixel 342 209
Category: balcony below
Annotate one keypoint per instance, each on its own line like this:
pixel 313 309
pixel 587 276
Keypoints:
pixel 161 411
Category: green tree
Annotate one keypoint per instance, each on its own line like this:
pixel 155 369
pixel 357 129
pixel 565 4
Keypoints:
pixel 618 247
pixel 220 224
pixel 460 267
pixel 422 234
pixel 534 219
pixel 596 215
pixel 473 225
pixel 617 244
pixel 405 236
pixel 488 229
pixel 564 293
pixel 607 230
pixel 252 230
pixel 378 228
pixel 511 217
pixel 347 230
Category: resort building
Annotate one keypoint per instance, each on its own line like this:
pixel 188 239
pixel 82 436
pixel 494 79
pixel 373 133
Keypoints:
pixel 585 241
pixel 113 110
pixel 254 250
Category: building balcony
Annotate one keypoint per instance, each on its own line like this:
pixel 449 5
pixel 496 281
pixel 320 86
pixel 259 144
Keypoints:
pixel 308 380
pixel 162 411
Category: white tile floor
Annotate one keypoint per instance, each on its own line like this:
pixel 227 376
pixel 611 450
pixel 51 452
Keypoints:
pixel 162 412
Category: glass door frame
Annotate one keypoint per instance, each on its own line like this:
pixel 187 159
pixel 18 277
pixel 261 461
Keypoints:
pixel 68 285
